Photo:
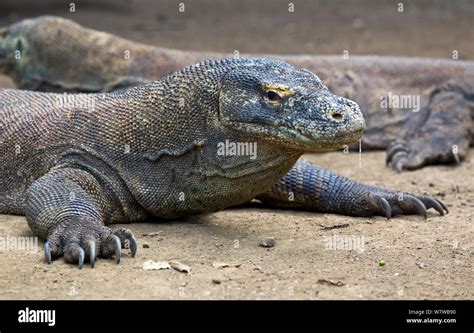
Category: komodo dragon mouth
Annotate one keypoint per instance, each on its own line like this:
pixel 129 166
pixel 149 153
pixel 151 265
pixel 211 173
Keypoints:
pixel 305 139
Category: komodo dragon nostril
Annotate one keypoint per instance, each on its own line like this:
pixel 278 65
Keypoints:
pixel 337 116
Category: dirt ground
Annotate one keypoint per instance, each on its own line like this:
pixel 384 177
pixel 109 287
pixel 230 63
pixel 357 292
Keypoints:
pixel 424 259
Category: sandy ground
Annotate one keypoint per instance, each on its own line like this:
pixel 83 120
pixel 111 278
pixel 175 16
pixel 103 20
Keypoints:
pixel 430 259
pixel 424 259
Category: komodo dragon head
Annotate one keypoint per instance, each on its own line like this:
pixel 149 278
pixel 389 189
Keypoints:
pixel 22 56
pixel 44 53
pixel 291 107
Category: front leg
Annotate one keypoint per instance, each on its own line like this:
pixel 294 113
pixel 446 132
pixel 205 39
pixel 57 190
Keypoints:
pixel 68 207
pixel 308 187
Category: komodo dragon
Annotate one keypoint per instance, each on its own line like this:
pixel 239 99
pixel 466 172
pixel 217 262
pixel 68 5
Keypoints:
pixel 57 54
pixel 76 163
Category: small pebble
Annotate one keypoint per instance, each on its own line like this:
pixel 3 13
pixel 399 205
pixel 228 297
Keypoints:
pixel 146 245
pixel 267 241
pixel 216 281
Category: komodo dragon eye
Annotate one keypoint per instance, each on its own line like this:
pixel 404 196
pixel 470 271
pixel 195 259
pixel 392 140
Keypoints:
pixel 273 96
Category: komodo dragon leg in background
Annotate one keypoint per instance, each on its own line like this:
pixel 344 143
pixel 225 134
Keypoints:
pixel 446 134
pixel 55 54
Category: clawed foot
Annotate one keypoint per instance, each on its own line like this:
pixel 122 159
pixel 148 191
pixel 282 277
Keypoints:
pixel 415 153
pixel 81 241
pixel 389 204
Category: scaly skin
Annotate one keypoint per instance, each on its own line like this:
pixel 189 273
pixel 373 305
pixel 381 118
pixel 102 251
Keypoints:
pixel 74 164
pixel 59 55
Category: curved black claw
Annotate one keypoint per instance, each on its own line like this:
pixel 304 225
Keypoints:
pixel 438 205
pixel 384 206
pixel 133 247
pixel 442 205
pixel 420 208
pixel 92 255
pixel 118 249
pixel 47 253
pixel 82 255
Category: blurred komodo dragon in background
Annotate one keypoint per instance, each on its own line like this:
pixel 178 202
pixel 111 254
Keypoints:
pixel 76 163
pixel 57 54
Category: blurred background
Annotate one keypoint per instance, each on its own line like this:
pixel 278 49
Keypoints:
pixel 427 28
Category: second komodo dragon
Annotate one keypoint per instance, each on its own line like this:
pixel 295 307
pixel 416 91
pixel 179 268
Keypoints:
pixel 74 164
